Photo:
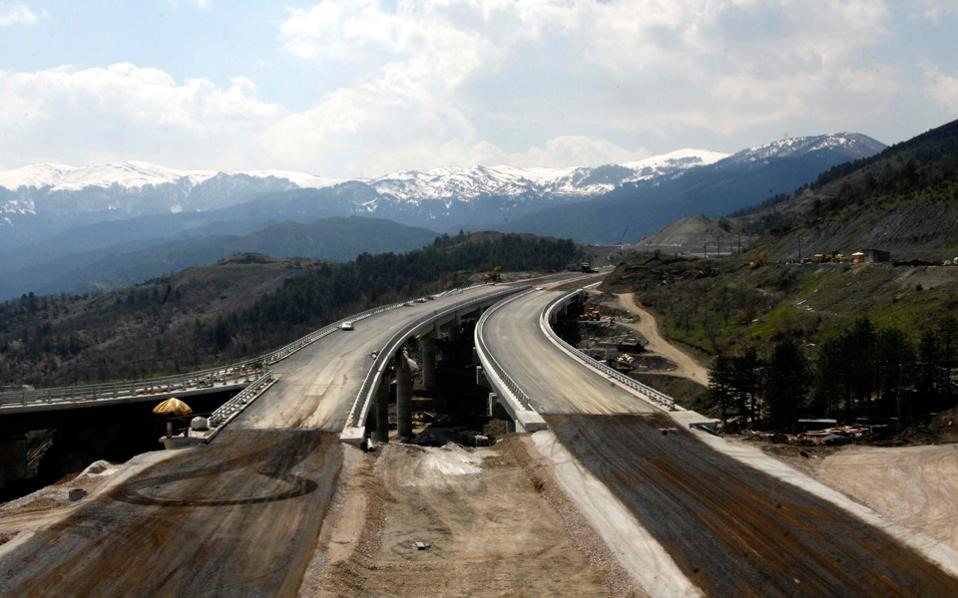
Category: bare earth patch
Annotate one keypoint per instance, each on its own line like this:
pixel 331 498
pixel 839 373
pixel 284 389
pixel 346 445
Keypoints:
pixel 491 525
pixel 913 485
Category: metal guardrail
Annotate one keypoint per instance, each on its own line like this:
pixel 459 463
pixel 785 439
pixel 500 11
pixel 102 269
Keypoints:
pixel 240 372
pixel 224 411
pixel 647 391
pixel 511 385
pixel 360 409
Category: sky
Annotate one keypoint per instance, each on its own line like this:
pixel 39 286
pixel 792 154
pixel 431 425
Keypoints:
pixel 353 88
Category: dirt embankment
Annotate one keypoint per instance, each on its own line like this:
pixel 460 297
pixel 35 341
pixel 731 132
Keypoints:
pixel 495 524
pixel 912 485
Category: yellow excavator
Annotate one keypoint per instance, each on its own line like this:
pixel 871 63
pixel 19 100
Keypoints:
pixel 494 275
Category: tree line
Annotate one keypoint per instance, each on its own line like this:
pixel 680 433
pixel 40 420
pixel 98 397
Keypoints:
pixel 860 372
pixel 336 289
pixel 168 325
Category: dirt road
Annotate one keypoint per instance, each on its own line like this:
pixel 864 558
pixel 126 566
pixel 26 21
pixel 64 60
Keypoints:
pixel 686 367
pixel 195 524
pixel 734 530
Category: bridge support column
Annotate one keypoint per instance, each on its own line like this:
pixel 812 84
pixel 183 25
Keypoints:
pixel 381 434
pixel 403 396
pixel 427 348
pixel 13 460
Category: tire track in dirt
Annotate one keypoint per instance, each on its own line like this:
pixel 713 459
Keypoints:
pixel 157 533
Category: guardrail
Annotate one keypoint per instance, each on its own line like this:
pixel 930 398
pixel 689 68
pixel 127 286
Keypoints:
pixel 238 402
pixel 485 355
pixel 360 409
pixel 237 373
pixel 647 391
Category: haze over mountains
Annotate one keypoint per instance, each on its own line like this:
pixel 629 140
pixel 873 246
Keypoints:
pixel 65 228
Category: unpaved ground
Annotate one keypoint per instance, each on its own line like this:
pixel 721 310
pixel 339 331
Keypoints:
pixel 916 486
pixel 737 531
pixel 237 517
pixel 495 522
pixel 685 365
pixel 24 516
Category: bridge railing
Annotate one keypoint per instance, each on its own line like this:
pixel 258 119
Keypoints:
pixel 224 411
pixel 647 391
pixel 242 372
pixel 360 409
pixel 487 356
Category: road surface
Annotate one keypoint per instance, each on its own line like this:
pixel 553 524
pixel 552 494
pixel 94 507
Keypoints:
pixel 731 529
pixel 240 516
pixel 555 382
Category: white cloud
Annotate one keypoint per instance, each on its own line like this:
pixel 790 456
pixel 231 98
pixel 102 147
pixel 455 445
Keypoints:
pixel 436 77
pixel 456 82
pixel 16 13
pixel 943 88
pixel 574 150
pixel 125 111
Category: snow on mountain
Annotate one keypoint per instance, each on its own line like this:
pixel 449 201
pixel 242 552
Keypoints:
pixel 468 183
pixel 300 179
pixel 854 145
pixel 133 175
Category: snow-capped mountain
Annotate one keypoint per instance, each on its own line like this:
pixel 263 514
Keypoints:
pixel 851 145
pixel 467 183
pixel 69 195
pixel 42 200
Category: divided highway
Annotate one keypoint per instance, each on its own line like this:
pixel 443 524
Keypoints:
pixel 240 516
pixel 730 529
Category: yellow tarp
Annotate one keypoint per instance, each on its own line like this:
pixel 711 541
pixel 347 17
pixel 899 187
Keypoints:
pixel 172 406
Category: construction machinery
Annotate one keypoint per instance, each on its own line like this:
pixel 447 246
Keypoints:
pixel 494 275
pixel 760 260
pixel 591 313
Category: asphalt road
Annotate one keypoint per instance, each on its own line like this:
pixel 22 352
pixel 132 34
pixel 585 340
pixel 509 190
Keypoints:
pixel 731 529
pixel 555 382
pixel 238 517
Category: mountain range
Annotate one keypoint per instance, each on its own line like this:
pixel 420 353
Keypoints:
pixel 53 218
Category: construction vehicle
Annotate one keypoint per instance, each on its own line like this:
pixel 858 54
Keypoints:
pixel 587 267
pixel 591 313
pixel 494 275
pixel 760 260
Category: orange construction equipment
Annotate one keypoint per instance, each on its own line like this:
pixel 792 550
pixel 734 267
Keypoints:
pixel 760 260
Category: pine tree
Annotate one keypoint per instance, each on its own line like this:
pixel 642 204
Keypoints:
pixel 786 384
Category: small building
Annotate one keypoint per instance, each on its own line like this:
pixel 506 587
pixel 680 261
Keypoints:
pixel 872 256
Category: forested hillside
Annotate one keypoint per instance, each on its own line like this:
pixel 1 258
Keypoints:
pixel 239 307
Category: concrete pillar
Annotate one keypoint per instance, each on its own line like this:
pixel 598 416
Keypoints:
pixel 13 460
pixel 403 396
pixel 381 434
pixel 427 348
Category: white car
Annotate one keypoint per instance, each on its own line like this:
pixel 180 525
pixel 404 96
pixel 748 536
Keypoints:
pixel 346 326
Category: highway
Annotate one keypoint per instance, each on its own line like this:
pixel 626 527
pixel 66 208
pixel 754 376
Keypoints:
pixel 732 530
pixel 516 340
pixel 238 517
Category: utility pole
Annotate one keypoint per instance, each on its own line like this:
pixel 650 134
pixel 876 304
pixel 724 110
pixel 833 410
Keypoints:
pixel 705 250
